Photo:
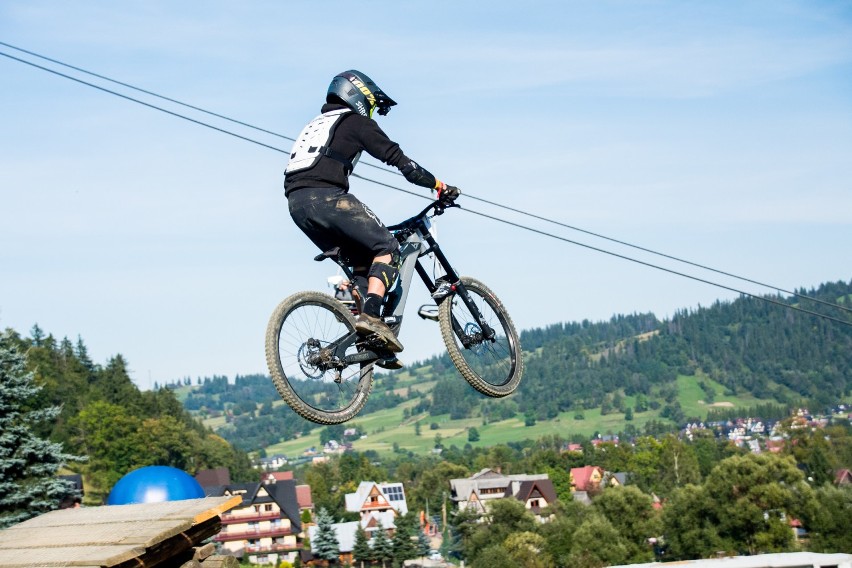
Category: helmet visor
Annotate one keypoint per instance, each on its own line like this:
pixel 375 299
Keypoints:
pixel 384 103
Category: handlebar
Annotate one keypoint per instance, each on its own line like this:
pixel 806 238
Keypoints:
pixel 438 205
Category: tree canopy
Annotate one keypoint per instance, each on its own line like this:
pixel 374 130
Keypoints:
pixel 28 463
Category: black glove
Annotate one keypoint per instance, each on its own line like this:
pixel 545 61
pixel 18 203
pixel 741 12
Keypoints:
pixel 449 193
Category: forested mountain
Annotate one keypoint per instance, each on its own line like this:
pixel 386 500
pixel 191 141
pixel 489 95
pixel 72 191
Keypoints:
pixel 105 418
pixel 750 346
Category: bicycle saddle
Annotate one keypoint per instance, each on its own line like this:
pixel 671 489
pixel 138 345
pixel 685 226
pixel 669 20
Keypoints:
pixel 333 254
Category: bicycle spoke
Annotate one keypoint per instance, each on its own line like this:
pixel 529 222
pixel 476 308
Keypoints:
pixel 305 333
pixel 481 340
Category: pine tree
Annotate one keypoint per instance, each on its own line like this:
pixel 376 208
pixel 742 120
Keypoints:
pixel 382 547
pixel 28 464
pixel 403 547
pixel 423 546
pixel 361 551
pixel 325 545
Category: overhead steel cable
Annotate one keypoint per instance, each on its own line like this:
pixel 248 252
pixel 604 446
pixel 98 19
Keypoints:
pixel 484 215
pixel 153 94
pixel 149 105
pixel 664 255
pixel 623 257
pixel 129 86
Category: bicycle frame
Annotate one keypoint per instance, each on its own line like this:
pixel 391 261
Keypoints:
pixel 416 241
pixel 323 367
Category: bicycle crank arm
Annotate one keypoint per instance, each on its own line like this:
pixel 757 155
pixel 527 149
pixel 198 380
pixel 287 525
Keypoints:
pixel 339 347
pixel 362 357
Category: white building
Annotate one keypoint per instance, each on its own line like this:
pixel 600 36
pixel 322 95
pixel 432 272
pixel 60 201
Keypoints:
pixel 377 502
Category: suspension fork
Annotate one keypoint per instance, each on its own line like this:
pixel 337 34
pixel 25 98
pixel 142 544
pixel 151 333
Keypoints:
pixel 460 290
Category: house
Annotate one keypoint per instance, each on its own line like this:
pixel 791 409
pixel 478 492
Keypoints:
pixel 581 497
pixel 753 446
pixel 377 502
pixel 587 478
pixel 843 477
pixel 617 479
pixel 273 463
pixel 473 493
pixel 535 494
pixel 303 492
pixel 275 476
pixel 345 533
pixel 264 528
pixel 304 499
pixel 593 477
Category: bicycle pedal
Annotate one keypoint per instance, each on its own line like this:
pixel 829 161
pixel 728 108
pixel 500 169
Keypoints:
pixel 373 341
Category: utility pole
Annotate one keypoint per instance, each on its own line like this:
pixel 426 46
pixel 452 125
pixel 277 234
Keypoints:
pixel 444 512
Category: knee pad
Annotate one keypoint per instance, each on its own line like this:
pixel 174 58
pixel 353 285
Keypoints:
pixel 384 272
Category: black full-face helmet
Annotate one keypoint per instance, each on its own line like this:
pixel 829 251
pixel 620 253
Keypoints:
pixel 359 92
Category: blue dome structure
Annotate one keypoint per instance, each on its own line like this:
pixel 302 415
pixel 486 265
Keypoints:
pixel 154 484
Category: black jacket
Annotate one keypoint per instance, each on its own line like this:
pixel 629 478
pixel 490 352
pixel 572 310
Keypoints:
pixel 355 133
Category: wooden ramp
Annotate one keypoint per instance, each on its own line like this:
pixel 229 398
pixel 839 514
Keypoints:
pixel 124 536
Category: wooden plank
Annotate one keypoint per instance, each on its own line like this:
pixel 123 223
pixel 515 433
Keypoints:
pixel 126 536
pixel 187 509
pixel 175 550
pixel 143 532
pixel 217 509
pixel 69 556
pixel 202 552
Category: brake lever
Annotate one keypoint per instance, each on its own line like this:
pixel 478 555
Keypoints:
pixel 441 206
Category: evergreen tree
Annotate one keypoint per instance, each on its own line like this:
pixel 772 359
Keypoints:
pixel 422 545
pixel 361 551
pixel 325 545
pixel 473 435
pixel 28 464
pixel 403 546
pixel 382 547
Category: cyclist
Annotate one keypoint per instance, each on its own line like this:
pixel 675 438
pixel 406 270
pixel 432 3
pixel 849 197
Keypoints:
pixel 317 188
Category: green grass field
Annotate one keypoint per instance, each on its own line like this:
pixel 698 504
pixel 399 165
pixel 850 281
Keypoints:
pixel 388 427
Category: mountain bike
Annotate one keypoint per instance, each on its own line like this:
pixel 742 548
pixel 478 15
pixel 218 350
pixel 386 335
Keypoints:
pixel 323 369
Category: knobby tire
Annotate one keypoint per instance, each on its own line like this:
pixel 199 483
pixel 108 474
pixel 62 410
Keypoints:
pixel 300 326
pixel 493 367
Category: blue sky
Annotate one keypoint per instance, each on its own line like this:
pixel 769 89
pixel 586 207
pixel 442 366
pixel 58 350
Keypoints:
pixel 718 132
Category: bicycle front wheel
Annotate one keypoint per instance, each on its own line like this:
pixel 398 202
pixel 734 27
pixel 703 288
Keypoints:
pixel 492 365
pixel 300 352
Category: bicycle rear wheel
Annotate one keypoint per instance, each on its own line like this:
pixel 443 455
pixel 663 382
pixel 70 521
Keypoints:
pixel 300 340
pixel 492 366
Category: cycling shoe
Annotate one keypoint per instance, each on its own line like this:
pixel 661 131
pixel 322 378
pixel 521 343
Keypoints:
pixel 366 325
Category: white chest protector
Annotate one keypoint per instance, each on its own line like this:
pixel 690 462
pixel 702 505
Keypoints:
pixel 312 143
